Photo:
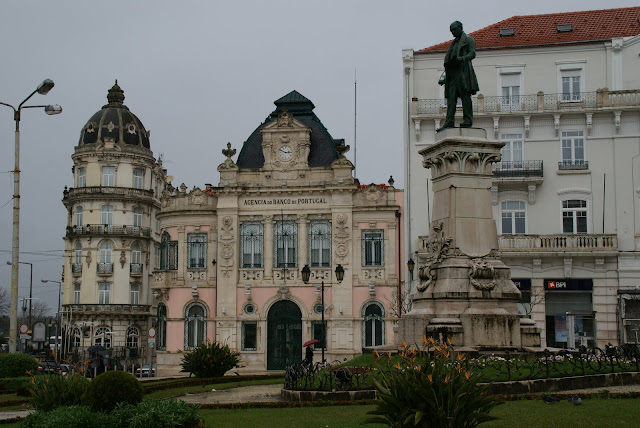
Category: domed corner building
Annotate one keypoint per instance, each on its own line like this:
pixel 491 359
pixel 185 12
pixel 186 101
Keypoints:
pixel 231 256
pixel 111 236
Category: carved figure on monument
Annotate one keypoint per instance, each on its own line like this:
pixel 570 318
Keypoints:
pixel 459 78
pixel 481 274
pixel 437 247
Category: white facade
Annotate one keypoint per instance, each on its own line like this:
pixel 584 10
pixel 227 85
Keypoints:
pixel 566 196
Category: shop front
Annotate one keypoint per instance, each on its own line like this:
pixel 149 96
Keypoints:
pixel 570 319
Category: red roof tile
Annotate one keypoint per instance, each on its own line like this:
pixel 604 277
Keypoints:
pixel 589 26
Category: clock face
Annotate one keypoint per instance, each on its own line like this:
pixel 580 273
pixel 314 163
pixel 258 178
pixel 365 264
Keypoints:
pixel 285 153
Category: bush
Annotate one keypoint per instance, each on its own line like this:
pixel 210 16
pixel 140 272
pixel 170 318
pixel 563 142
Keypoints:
pixel 113 387
pixel 210 360
pixel 52 391
pixel 68 417
pixel 14 383
pixel 430 388
pixel 155 413
pixel 15 365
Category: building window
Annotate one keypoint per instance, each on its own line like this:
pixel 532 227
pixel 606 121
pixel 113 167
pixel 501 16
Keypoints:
pixel 78 254
pixel 104 293
pixel 161 339
pixel 513 217
pixel 572 148
pixel 136 254
pixel 574 216
pixel 373 325
pixel 106 215
pixel 133 337
pixel 195 325
pixel 156 257
pixel 511 153
pixel 196 250
pixel 571 85
pixel 249 336
pixel 135 294
pixel 286 243
pixel 79 213
pixel 76 337
pixel 105 252
pixel 102 337
pixel 510 89
pixel 372 246
pixel 76 294
pixel 109 176
pixel 316 328
pixel 252 245
pixel 137 217
pixel 137 179
pixel 320 244
pixel 82 177
pixel 168 253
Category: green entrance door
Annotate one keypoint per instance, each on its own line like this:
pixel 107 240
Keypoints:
pixel 284 335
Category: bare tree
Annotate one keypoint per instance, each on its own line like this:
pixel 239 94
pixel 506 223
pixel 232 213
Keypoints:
pixel 537 298
pixel 4 302
pixel 398 306
pixel 39 310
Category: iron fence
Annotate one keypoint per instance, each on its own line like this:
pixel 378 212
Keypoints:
pixel 533 168
pixel 327 377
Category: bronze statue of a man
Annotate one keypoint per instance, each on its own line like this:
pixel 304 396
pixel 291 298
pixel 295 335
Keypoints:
pixel 460 79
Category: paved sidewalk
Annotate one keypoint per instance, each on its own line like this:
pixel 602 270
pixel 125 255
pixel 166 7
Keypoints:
pixel 243 394
pixel 10 414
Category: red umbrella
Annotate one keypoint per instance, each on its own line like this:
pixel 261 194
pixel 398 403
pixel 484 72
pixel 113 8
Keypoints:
pixel 310 342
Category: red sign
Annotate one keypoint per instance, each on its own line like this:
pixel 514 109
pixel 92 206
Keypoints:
pixel 152 332
pixel 23 329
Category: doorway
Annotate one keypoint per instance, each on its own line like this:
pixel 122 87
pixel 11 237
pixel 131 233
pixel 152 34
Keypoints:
pixel 284 335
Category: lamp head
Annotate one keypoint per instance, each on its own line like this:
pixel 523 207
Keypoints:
pixel 53 109
pixel 411 265
pixel 339 273
pixel 45 86
pixel 306 273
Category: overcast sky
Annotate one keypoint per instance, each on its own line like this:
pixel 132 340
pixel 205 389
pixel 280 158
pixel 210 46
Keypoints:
pixel 200 74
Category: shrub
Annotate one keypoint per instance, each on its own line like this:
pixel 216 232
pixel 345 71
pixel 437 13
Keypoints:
pixel 15 365
pixel 113 387
pixel 52 391
pixel 68 417
pixel 14 383
pixel 155 413
pixel 210 360
pixel 430 388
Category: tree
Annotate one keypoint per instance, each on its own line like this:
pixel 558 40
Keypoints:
pixel 4 302
pixel 398 306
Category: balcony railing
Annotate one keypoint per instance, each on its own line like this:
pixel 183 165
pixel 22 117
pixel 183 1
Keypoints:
pixel 107 190
pixel 104 229
pixel 135 309
pixel 532 168
pixel 561 242
pixel 539 102
pixel 136 268
pixel 573 165
pixel 104 268
pixel 76 268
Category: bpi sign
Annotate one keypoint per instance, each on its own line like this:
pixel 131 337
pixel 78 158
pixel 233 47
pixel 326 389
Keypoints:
pixel 552 285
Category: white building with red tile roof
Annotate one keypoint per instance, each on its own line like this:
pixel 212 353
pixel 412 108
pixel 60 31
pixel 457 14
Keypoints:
pixel 562 91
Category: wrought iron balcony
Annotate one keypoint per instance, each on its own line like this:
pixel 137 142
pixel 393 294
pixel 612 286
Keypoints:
pixel 107 191
pixel 108 229
pixel 532 168
pixel 132 309
pixel 573 165
pixel 136 268
pixel 585 243
pixel 76 268
pixel 104 268
pixel 538 102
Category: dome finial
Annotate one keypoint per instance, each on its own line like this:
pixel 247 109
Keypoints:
pixel 115 95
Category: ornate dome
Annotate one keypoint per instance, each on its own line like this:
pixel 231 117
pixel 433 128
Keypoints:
pixel 116 122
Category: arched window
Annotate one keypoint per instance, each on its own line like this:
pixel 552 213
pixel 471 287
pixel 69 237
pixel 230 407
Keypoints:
pixel 76 266
pixel 195 325
pixel 133 337
pixel 161 334
pixel 136 258
pixel 76 337
pixel 137 217
pixel 105 265
pixel 373 331
pixel 79 212
pixel 102 337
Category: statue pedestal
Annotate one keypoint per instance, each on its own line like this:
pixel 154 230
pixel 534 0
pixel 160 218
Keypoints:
pixel 464 292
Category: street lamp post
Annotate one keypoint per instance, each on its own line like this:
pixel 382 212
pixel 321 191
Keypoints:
pixel 30 287
pixel 306 273
pixel 58 313
pixel 42 89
